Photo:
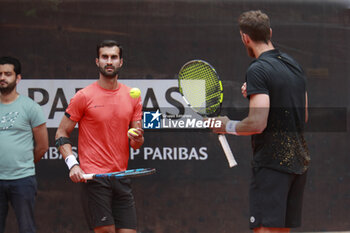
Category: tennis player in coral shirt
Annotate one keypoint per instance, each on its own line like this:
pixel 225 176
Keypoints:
pixel 105 111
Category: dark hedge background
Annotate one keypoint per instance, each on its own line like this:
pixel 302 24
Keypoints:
pixel 55 39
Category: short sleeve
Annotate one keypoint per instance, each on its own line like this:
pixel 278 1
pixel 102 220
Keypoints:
pixel 36 115
pixel 257 80
pixel 76 107
pixel 137 116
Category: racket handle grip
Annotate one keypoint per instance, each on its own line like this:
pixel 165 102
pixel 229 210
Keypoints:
pixel 227 150
pixel 88 176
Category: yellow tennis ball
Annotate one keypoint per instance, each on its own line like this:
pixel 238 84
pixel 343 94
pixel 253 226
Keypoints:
pixel 132 131
pixel 135 92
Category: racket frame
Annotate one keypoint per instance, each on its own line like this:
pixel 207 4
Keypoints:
pixel 121 175
pixel 222 138
pixel 217 112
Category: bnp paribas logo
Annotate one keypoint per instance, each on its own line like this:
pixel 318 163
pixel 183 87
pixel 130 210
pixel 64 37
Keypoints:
pixel 152 120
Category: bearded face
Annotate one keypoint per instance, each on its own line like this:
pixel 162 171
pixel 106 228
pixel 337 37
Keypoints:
pixel 8 79
pixel 109 61
pixel 249 49
pixel 7 87
pixel 109 71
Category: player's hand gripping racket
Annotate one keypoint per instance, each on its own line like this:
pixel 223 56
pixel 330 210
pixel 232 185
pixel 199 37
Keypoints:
pixel 121 175
pixel 202 90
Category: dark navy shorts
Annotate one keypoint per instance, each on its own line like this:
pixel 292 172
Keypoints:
pixel 276 198
pixel 109 202
pixel 21 193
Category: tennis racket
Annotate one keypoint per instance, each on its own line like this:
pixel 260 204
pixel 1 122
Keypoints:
pixel 121 175
pixel 202 90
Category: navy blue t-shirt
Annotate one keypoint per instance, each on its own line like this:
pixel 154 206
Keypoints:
pixel 282 144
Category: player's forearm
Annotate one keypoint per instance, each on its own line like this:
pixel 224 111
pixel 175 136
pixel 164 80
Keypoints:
pixel 249 126
pixel 64 146
pixel 256 121
pixel 65 150
pixel 68 157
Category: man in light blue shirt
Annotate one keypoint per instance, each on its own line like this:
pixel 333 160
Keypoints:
pixel 23 141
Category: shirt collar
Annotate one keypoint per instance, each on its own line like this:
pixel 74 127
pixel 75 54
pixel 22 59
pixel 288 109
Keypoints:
pixel 270 53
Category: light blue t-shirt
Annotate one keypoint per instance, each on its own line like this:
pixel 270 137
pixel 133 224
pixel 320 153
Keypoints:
pixel 16 137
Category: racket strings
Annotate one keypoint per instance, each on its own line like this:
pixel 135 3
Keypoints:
pixel 201 71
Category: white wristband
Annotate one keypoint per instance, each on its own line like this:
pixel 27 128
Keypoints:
pixel 231 127
pixel 71 161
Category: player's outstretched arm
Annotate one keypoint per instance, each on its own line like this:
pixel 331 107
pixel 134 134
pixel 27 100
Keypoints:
pixel 254 123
